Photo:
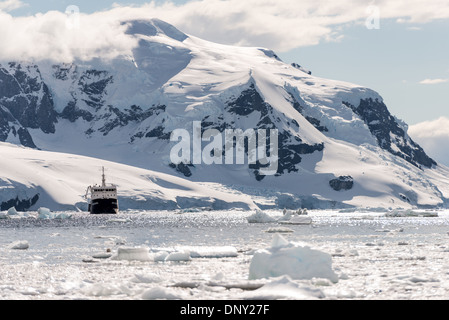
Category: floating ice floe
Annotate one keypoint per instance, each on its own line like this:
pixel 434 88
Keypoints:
pixel 102 255
pixel 286 289
pixel 143 254
pixel 195 252
pixel 279 230
pixel 45 213
pixel 293 260
pixel 160 256
pixel 12 213
pixel 160 293
pixel 133 254
pixel 211 251
pixel 299 220
pixel 119 220
pixel 147 278
pixel 19 245
pixel 102 290
pixel 411 213
pixel 178 256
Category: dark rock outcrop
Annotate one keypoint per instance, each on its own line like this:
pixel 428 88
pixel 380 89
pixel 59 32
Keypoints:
pixel 390 136
pixel 342 183
pixel 290 145
pixel 20 205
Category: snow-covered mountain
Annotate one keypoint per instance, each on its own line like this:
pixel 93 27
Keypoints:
pixel 339 145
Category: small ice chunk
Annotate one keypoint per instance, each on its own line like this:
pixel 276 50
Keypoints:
pixel 133 254
pixel 160 256
pixel 19 245
pixel 179 256
pixel 260 217
pixel 279 241
pixel 102 255
pixel 218 276
pixel 62 215
pixel 279 230
pixel 102 290
pixel 322 282
pixel 147 278
pixel 44 213
pixel 119 220
pixel 284 288
pixel 159 293
pixel 12 212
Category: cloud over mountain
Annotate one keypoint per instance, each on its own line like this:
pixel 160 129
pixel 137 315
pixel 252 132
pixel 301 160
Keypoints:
pixel 278 25
pixel 49 36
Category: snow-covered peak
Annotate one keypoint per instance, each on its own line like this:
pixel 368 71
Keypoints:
pixel 154 27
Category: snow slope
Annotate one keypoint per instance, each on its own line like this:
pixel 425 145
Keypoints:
pixel 60 180
pixel 338 144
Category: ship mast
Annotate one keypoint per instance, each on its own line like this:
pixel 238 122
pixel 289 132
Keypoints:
pixel 103 179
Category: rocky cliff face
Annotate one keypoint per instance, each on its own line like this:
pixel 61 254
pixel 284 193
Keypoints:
pixel 389 135
pixel 26 103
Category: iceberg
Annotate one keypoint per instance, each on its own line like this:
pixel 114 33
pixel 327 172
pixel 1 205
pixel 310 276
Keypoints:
pixel 293 260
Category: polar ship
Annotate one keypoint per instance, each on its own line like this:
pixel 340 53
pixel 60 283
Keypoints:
pixel 103 199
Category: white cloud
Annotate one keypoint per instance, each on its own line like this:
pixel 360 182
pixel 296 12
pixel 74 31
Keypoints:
pixel 10 5
pixel 287 24
pixel 433 81
pixel 47 36
pixel 278 25
pixel 433 137
pixel 414 28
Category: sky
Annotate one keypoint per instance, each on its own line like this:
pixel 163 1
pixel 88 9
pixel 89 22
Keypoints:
pixel 400 48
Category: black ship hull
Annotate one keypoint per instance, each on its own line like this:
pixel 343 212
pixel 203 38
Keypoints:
pixel 104 206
